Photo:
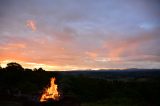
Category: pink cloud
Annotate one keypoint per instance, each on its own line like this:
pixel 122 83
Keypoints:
pixel 31 24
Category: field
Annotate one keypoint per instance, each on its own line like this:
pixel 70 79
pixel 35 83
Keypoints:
pixel 89 88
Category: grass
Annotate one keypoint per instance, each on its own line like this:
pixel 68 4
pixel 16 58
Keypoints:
pixel 9 103
pixel 116 102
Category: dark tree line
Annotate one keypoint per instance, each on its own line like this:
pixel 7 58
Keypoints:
pixel 19 82
pixel 16 67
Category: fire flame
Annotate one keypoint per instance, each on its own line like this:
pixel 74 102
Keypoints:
pixel 50 92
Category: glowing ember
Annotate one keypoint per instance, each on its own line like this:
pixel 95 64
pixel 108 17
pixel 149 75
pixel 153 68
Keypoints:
pixel 50 92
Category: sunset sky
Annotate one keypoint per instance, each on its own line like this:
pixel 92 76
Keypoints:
pixel 80 34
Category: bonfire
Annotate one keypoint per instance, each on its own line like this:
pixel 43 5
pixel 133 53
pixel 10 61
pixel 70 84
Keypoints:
pixel 51 93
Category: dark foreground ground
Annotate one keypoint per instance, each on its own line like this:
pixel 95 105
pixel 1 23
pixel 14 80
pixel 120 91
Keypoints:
pixel 86 88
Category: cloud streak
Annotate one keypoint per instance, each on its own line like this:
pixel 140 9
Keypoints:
pixel 31 24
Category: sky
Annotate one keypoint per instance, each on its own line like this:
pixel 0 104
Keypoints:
pixel 80 34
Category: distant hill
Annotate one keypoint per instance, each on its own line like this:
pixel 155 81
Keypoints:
pixel 127 73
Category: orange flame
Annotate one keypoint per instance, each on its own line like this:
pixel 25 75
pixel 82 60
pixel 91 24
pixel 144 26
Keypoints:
pixel 50 92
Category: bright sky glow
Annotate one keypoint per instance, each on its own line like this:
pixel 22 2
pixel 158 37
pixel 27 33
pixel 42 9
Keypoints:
pixel 80 34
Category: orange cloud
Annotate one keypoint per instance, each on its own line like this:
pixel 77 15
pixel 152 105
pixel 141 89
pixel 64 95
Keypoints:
pixel 31 24
pixel 46 54
pixel 116 48
pixel 59 50
pixel 92 55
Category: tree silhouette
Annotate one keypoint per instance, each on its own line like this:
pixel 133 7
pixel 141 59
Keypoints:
pixel 1 68
pixel 40 70
pixel 35 69
pixel 13 66
pixel 28 70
